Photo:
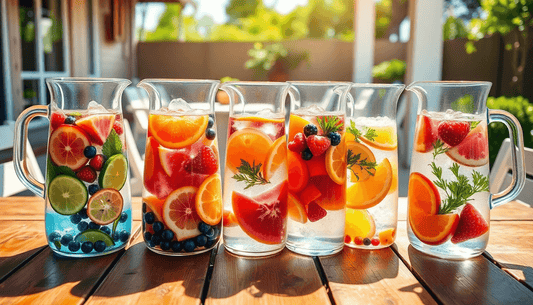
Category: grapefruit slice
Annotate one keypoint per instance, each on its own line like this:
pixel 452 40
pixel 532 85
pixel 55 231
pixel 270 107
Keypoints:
pixel 209 200
pixel 248 144
pixel 369 193
pixel 473 151
pixel 359 223
pixel 296 209
pixel 97 126
pixel 177 131
pixel 156 181
pixel 434 229
pixel 66 147
pixel 357 172
pixel 426 134
pixel 263 217
pixel 276 157
pixel 386 138
pixel 173 161
pixel 333 195
pixel 336 163
pixel 297 172
pixel 180 214
pixel 423 196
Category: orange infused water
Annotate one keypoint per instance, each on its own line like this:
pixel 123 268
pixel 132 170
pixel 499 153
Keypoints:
pixel 372 182
pixel 255 185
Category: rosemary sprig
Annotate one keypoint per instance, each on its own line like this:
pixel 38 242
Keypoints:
pixel 364 164
pixel 250 174
pixel 369 133
pixel 329 124
pixel 439 148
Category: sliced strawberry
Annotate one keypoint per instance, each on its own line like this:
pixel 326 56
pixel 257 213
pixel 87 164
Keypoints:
pixel 318 144
pixel 117 126
pixel 87 174
pixel 315 212
pixel 426 134
pixel 471 225
pixel 453 132
pixel 298 144
pixel 97 162
pixel 204 163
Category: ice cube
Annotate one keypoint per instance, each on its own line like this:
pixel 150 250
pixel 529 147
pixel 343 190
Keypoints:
pixel 267 113
pixel 179 104
pixel 95 107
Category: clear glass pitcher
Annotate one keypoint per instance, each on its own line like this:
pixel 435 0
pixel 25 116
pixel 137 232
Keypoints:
pixel 182 192
pixel 87 189
pixel 372 166
pixel 255 176
pixel 448 198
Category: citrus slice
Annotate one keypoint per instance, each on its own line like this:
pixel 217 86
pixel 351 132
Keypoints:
pixel 209 200
pixel 423 196
pixel 276 157
pixel 114 172
pixel 473 151
pixel 425 134
pixel 66 147
pixel 105 206
pixel 98 126
pixel 366 194
pixel 297 172
pixel 296 125
pixel 394 184
pixel 359 223
pixel 248 144
pixel 67 195
pixel 177 131
pixel 434 229
pixel 361 156
pixel 172 160
pixel 296 209
pixel 317 166
pixel 180 214
pixel 229 219
pixel 156 206
pixel 93 236
pixel 336 163
pixel 387 237
pixel 386 138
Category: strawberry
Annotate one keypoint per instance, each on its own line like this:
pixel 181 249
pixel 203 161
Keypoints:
pixel 318 144
pixel 471 225
pixel 204 163
pixel 86 174
pixel 298 144
pixel 57 119
pixel 97 162
pixel 315 212
pixel 453 132
pixel 117 126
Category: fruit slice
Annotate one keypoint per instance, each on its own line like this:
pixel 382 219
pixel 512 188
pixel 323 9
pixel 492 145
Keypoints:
pixel 333 195
pixel 156 206
pixel 394 184
pixel 177 131
pixel 209 200
pixel 387 237
pixel 66 147
pixel 94 236
pixel 297 172
pixel 276 157
pixel 423 196
pixel 263 217
pixel 336 163
pixel 386 138
pixel 180 214
pixel 473 150
pixel 229 219
pixel 296 209
pixel 172 160
pixel 67 195
pixel 105 206
pixel 315 212
pixel 362 155
pixel 426 134
pixel 471 225
pixel 309 193
pixel 317 166
pixel 434 229
pixel 248 144
pixel 156 181
pixel 296 125
pixel 114 173
pixel 366 194
pixel 359 223
pixel 97 126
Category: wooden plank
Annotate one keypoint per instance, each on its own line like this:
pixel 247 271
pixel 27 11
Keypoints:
pixel 287 278
pixel 372 277
pixel 144 277
pixel 136 205
pixel 473 281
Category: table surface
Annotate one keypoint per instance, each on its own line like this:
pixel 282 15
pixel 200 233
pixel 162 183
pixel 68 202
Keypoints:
pixel 29 272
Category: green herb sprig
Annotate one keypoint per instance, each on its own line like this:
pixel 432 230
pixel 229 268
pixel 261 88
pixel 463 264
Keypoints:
pixel 364 164
pixel 369 133
pixel 439 148
pixel 250 174
pixel 330 124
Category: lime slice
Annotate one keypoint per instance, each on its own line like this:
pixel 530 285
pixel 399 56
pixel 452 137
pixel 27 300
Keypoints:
pixel 105 206
pixel 94 236
pixel 67 195
pixel 114 172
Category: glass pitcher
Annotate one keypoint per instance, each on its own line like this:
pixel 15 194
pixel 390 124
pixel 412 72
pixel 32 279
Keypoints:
pixel 87 189
pixel 448 198
pixel 182 192
pixel 372 166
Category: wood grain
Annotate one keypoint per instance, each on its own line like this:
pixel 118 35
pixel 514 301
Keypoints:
pixel 136 205
pixel 372 277
pixel 287 278
pixel 22 208
pixel 144 277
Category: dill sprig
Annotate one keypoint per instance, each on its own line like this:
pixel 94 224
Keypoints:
pixel 439 148
pixel 250 174
pixel 330 124
pixel 364 164
pixel 369 133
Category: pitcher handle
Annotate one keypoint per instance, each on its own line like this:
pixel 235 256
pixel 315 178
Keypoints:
pixel 19 148
pixel 517 144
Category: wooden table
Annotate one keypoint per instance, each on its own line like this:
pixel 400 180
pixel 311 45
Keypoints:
pixel 29 272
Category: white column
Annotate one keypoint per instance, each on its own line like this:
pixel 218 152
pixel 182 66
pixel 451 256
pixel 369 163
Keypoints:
pixel 364 25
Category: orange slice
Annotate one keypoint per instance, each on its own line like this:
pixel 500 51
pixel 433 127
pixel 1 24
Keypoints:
pixel 394 184
pixel 209 200
pixel 249 145
pixel 359 223
pixel 387 237
pixel 259 119
pixel 366 194
pixel 386 138
pixel 296 209
pixel 435 229
pixel 357 172
pixel 336 163
pixel 423 196
pixel 180 214
pixel 296 125
pixel 277 156
pixel 156 206
pixel 176 131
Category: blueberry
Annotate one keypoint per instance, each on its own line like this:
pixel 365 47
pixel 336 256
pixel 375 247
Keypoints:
pixel 75 218
pixel 158 227
pixel 307 154
pixel 189 245
pixel 99 246
pixel 310 129
pixel 89 152
pixel 74 246
pixel 147 236
pixel 201 240
pixel 106 230
pixel 210 134
pixel 156 240
pixel 216 233
pixel 66 239
pixel 70 120
pixel 203 227
pixel 93 188
pixel 54 236
pixel 94 226
pixel 210 234
pixel 335 138
pixel 149 218
pixel 87 247
pixel 165 245
pixel 124 236
pixel 210 122
pixel 82 226
pixel 167 235
pixel 83 213
pixel 176 246
pixel 123 217
pixel 210 243
pixel 116 237
pixel 367 241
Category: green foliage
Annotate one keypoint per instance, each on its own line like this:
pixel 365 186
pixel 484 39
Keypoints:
pixel 454 28
pixel 264 57
pixel 226 79
pixel 391 71
pixel 383 17
pixel 464 104
pixel 168 26
pixel 522 109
